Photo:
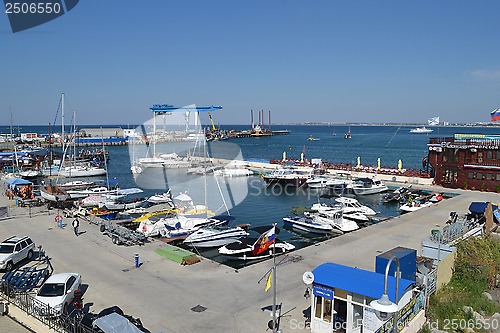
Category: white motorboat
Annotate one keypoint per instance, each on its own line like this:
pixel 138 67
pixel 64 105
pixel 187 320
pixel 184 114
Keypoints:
pixel 351 204
pixel 215 236
pixel 421 130
pixel 309 224
pixel 366 186
pixel 289 176
pixel 335 218
pixel 233 172
pixel 166 161
pixel 100 190
pixel 161 198
pixel 348 212
pixel 175 225
pixel 317 181
pixel 81 171
pixel 76 184
pixel 414 206
pixel 120 204
pixel 243 250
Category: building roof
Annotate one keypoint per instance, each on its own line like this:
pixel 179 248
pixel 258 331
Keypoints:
pixel 358 281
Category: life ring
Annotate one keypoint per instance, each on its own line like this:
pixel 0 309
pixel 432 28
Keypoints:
pixel 58 218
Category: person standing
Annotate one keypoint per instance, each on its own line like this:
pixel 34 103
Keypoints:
pixel 76 224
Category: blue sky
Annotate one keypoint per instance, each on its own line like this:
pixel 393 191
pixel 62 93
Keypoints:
pixel 318 61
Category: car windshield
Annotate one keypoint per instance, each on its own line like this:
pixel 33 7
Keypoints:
pixel 52 289
pixel 5 248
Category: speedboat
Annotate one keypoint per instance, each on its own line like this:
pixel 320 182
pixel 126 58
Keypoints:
pixel 414 205
pixel 422 129
pixel 263 247
pixel 317 181
pixel 335 218
pixel 349 213
pixel 308 224
pixel 160 198
pixel 215 236
pixel 243 249
pixel 289 176
pixel 366 186
pixel 351 204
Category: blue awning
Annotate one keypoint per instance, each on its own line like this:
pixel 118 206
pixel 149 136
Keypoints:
pixel 358 281
pixel 18 181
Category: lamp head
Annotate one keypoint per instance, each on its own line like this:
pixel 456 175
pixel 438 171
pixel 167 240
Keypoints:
pixel 384 305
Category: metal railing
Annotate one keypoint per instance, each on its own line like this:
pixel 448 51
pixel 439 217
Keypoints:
pixel 63 323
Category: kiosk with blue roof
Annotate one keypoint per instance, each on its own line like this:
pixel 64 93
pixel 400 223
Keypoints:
pixel 342 295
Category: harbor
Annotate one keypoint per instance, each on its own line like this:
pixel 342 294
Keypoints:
pixel 233 299
pixel 227 290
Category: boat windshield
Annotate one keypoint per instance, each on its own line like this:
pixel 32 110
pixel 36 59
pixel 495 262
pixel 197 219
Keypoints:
pixel 6 248
pixel 51 290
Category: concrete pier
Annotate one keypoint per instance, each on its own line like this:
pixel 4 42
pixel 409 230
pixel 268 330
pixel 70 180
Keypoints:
pixel 162 292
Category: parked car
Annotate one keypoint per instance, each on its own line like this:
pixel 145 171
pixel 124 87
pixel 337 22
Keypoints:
pixel 112 320
pixel 15 249
pixel 57 293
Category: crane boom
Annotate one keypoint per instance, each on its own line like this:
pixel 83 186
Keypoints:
pixel 211 120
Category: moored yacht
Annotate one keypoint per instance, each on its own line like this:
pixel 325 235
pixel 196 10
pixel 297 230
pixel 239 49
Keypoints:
pixel 366 186
pixel 215 236
pixel 289 176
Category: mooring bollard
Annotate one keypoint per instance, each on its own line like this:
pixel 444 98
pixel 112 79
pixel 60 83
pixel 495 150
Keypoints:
pixel 137 260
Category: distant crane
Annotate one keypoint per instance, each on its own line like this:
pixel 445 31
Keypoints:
pixel 212 121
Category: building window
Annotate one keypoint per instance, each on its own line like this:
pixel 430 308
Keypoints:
pixel 318 306
pixel 323 308
pixel 489 155
pixel 498 154
pixel 479 175
pixel 480 157
pixel 498 176
pixel 470 175
pixel 327 310
pixel 489 176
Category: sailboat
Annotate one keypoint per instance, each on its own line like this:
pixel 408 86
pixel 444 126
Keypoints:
pixel 52 192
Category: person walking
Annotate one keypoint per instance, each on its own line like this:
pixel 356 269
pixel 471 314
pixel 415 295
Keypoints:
pixel 76 224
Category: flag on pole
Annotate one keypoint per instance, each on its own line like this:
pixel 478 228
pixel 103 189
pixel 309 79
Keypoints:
pixel 269 281
pixel 434 121
pixel 265 241
pixel 495 115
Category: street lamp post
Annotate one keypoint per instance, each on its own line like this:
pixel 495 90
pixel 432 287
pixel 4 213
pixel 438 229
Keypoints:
pixel 384 304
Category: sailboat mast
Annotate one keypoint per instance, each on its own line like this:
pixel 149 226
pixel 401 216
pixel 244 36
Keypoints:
pixel 275 324
pixel 62 121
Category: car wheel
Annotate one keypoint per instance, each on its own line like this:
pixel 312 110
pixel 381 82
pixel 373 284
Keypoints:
pixel 30 255
pixel 102 228
pixel 115 240
pixel 9 266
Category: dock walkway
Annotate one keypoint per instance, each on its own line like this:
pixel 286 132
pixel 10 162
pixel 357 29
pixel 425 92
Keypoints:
pixel 162 292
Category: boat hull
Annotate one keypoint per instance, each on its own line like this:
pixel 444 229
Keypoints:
pixel 311 227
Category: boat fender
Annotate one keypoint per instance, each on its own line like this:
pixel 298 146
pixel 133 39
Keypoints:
pixel 433 182
pixel 58 218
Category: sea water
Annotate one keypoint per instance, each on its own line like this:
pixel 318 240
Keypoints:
pixel 250 201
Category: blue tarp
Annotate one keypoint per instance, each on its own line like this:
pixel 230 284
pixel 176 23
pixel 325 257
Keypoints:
pixel 478 207
pixel 358 281
pixel 18 181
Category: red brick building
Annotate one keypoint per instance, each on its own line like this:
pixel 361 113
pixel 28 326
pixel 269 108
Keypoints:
pixel 468 161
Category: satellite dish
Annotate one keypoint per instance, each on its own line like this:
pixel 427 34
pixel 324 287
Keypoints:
pixel 308 277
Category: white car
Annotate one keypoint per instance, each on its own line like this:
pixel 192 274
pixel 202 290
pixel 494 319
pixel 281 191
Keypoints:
pixel 14 250
pixel 57 293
